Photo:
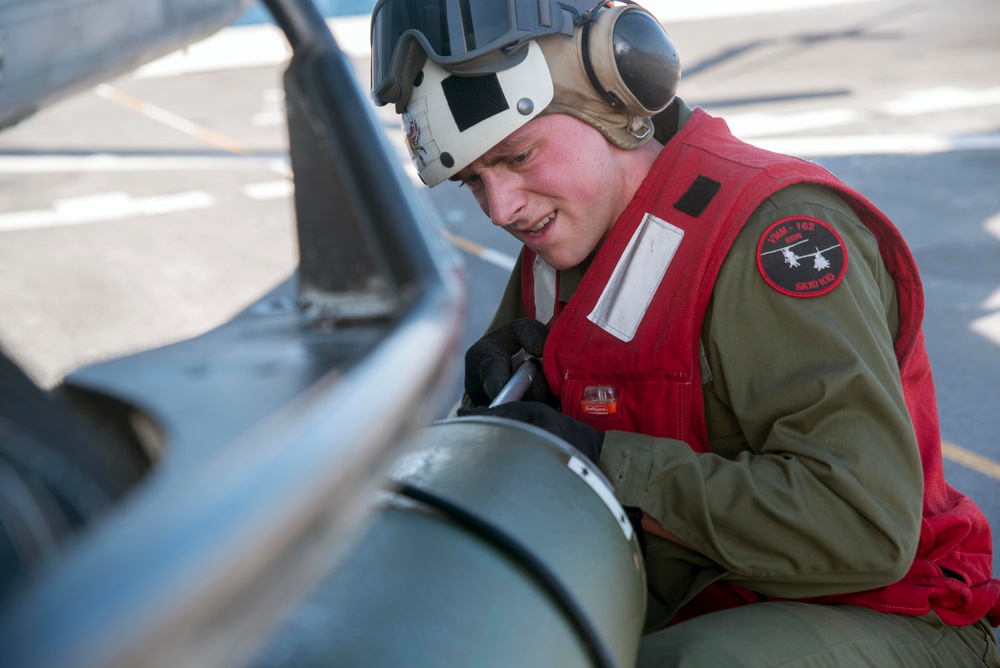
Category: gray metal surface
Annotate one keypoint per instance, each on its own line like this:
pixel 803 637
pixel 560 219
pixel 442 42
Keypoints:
pixel 270 432
pixel 420 589
pixel 53 48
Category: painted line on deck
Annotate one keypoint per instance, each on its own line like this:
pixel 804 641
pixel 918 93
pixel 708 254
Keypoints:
pixel 753 125
pixel 988 327
pixel 671 11
pixel 238 47
pixel 762 124
pixel 903 144
pixel 494 257
pixel 116 162
pixel 104 207
pixel 169 119
pixel 971 460
pixel 268 190
pixel 942 98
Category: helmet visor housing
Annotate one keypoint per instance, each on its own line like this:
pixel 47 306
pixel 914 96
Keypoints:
pixel 451 120
pixel 467 36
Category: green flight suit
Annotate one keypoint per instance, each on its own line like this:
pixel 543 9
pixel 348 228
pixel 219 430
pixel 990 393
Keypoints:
pixel 814 483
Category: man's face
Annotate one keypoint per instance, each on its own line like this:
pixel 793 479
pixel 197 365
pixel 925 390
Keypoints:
pixel 556 184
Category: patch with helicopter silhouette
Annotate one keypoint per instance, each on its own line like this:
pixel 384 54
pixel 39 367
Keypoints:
pixel 802 257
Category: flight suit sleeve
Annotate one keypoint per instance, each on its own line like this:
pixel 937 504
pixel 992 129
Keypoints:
pixel 814 485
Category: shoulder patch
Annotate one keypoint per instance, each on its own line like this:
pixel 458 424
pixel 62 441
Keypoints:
pixel 802 257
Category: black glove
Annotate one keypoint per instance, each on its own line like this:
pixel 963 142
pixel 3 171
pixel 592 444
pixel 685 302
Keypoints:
pixel 634 516
pixel 488 366
pixel 580 435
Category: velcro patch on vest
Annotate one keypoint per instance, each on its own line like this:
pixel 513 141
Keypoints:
pixel 802 257
pixel 698 196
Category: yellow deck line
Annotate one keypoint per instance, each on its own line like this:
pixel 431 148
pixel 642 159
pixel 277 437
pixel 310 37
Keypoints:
pixel 983 465
pixel 169 119
pixel 463 243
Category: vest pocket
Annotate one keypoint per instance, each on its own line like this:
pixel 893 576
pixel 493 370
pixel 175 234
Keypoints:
pixel 655 404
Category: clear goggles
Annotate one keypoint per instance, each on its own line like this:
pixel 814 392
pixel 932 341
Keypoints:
pixel 462 36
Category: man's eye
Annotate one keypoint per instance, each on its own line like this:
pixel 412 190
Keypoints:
pixel 470 180
pixel 519 158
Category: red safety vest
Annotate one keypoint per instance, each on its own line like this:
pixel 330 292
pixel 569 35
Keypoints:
pixel 628 328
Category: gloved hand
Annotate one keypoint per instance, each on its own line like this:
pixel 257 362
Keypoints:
pixel 488 366
pixel 634 516
pixel 580 435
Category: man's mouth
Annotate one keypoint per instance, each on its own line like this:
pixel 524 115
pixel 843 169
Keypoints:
pixel 537 229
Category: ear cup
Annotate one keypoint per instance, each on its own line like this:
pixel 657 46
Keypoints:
pixel 630 60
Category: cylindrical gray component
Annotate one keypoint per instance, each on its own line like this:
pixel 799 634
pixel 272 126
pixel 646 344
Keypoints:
pixel 420 589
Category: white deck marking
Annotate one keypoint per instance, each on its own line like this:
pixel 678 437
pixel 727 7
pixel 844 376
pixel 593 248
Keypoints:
pixel 913 144
pixel 945 98
pixel 104 207
pixel 238 47
pixel 747 126
pixel 988 327
pixel 111 162
pixel 269 190
pixel 672 11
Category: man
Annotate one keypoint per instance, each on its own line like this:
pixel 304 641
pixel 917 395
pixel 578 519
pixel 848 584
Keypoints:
pixel 732 335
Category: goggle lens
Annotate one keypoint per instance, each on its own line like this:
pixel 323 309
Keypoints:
pixel 453 32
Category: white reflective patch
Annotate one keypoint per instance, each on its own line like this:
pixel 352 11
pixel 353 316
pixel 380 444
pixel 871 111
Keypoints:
pixel 545 290
pixel 635 279
pixel 586 473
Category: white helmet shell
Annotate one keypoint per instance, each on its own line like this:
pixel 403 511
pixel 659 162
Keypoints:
pixel 450 120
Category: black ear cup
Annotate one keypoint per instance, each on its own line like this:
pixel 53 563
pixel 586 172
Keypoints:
pixel 630 60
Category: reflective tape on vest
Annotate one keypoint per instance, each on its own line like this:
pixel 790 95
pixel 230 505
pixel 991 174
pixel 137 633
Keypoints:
pixel 627 295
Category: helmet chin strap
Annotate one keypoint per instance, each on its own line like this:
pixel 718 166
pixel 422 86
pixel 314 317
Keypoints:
pixel 639 127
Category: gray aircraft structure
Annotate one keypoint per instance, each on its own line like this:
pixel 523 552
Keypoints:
pixel 170 507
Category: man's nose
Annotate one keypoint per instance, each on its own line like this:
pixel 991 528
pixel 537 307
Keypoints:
pixel 505 198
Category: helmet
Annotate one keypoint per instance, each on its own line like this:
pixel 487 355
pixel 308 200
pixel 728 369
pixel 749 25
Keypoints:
pixel 611 66
pixel 462 36
pixel 446 119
